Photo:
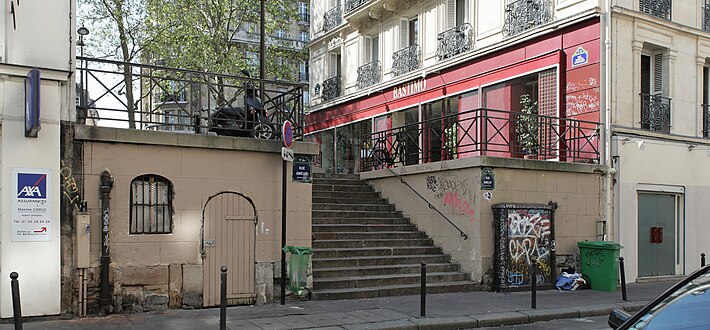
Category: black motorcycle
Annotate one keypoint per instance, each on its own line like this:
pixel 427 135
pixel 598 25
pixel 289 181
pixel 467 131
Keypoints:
pixel 237 121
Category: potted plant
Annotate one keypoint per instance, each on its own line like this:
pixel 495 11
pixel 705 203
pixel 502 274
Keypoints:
pixel 527 127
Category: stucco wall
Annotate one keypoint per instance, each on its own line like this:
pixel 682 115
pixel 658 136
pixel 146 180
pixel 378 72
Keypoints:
pixel 454 187
pixel 250 167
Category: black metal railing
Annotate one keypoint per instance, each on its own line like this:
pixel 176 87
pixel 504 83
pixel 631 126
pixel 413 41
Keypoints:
pixel 454 41
pixel 369 74
pixel 304 18
pixel 706 121
pixel 522 15
pixel 332 19
pixel 481 132
pixel 406 60
pixel 331 88
pixel 706 16
pixel 351 5
pixel 133 96
pixel 658 8
pixel 656 113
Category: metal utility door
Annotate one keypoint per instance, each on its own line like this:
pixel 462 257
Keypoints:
pixel 229 240
pixel 657 238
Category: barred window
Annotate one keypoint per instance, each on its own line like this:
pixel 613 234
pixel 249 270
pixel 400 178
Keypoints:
pixel 151 205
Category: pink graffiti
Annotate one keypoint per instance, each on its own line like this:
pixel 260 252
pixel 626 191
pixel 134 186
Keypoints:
pixel 459 204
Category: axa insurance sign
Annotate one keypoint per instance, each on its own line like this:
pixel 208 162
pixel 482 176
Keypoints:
pixel 31 205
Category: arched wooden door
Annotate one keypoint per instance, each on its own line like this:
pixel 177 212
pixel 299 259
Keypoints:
pixel 229 239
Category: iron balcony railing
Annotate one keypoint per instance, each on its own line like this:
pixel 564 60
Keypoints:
pixel 482 132
pixel 351 5
pixel 454 41
pixel 522 15
pixel 332 19
pixel 706 16
pixel 406 60
pixel 331 88
pixel 149 97
pixel 369 74
pixel 656 113
pixel 658 8
pixel 706 121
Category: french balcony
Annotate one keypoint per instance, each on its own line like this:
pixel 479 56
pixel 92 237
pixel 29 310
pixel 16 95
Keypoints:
pixel 351 5
pixel 706 121
pixel 706 16
pixel 369 74
pixel 454 41
pixel 656 113
pixel 523 15
pixel 332 19
pixel 658 8
pixel 406 60
pixel 331 88
pixel 482 132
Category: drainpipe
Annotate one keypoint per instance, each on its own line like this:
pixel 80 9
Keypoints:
pixel 606 117
pixel 105 295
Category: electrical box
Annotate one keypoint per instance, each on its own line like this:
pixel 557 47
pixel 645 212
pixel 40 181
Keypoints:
pixel 83 239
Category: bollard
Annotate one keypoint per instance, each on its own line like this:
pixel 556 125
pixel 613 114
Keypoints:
pixel 534 284
pixel 422 311
pixel 702 260
pixel 16 312
pixel 223 300
pixel 623 278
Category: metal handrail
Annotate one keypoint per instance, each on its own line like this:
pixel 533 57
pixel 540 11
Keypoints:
pixel 432 207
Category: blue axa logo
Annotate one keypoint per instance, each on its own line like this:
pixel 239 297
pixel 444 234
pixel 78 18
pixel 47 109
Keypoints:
pixel 32 185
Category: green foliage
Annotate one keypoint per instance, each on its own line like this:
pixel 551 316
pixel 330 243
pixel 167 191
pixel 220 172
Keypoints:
pixel 527 127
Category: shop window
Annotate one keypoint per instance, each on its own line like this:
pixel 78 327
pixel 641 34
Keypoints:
pixel 151 200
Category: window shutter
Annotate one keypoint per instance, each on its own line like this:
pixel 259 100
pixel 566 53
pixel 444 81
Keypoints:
pixel 658 73
pixel 645 74
pixel 403 33
pixel 450 13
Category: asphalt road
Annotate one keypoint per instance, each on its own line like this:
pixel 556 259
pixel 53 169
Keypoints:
pixel 586 323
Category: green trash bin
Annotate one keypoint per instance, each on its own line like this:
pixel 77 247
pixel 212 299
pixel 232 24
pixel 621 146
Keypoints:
pixel 600 264
pixel 298 268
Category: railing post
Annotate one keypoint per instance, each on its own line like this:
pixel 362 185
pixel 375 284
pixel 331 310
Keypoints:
pixel 702 260
pixel 223 299
pixel 533 281
pixel 623 278
pixel 422 309
pixel 16 312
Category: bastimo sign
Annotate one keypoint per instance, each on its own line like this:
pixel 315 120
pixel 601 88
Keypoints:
pixel 408 88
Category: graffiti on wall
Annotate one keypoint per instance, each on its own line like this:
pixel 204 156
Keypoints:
pixel 70 190
pixel 459 204
pixel 524 237
pixel 453 191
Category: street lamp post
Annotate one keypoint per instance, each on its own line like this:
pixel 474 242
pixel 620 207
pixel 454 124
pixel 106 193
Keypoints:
pixel 82 31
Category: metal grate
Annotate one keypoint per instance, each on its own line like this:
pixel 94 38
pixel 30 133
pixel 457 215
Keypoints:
pixel 523 15
pixel 656 113
pixel 706 121
pixel 454 41
pixel 151 205
pixel 406 60
pixel 658 8
pixel 369 74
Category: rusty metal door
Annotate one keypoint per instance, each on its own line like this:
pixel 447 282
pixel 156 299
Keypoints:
pixel 229 239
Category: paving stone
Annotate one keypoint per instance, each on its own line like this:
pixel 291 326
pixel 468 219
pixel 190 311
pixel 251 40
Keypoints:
pixel 347 318
pixel 445 323
pixel 370 316
pixel 389 325
pixel 241 325
pixel 269 324
pixel 322 320
pixel 295 321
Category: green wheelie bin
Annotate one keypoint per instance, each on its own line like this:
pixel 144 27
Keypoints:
pixel 600 264
pixel 298 268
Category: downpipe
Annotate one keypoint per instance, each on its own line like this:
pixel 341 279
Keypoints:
pixel 106 307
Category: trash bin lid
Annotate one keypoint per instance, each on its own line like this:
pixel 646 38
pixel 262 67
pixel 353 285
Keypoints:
pixel 604 245
pixel 300 250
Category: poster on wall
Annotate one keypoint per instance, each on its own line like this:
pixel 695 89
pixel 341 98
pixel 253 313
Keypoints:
pixel 31 218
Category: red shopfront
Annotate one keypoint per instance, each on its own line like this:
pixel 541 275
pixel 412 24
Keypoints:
pixel 559 72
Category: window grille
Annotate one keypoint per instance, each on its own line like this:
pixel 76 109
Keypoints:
pixel 151 205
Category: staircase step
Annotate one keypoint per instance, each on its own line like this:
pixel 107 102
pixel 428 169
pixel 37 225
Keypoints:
pixel 395 290
pixel 342 188
pixel 351 227
pixel 345 194
pixel 353 207
pixel 355 243
pixel 341 182
pixel 367 235
pixel 374 251
pixel 354 214
pixel 384 280
pixel 319 263
pixel 361 221
pixel 349 200
pixel 336 176
pixel 324 273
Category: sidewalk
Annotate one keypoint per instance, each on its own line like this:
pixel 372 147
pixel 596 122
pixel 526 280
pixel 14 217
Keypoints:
pixel 444 311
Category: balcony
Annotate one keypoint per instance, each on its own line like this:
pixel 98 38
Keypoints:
pixel 331 88
pixel 656 113
pixel 369 74
pixel 658 8
pixel 351 5
pixel 481 132
pixel 454 41
pixel 706 121
pixel 332 19
pixel 523 15
pixel 406 60
pixel 706 16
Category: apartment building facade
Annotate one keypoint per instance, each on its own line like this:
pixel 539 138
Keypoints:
pixel 440 81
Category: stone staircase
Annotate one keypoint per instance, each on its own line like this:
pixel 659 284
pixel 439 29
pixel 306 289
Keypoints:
pixel 364 248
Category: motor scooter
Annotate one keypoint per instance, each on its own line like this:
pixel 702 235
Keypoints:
pixel 250 121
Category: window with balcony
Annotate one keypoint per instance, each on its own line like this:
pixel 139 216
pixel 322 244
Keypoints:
pixel 304 17
pixel 706 16
pixel 331 86
pixel 333 17
pixel 523 15
pixel 370 72
pixel 658 8
pixel 706 103
pixel 655 105
pixel 408 57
